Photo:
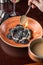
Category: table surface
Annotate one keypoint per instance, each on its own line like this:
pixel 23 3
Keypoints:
pixel 35 64
pixel 21 7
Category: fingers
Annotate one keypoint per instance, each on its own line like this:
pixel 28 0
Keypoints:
pixel 33 6
pixel 35 3
pixel 29 2
pixel 40 1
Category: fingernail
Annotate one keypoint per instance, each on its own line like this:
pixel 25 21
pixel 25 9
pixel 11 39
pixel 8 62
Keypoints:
pixel 33 6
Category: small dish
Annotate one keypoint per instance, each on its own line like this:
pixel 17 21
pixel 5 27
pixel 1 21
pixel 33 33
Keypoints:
pixel 35 50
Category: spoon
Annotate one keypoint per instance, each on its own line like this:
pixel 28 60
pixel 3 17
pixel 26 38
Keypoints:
pixel 24 18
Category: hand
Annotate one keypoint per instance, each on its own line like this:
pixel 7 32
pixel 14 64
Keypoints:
pixel 37 3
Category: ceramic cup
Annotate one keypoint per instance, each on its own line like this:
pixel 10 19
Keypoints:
pixel 35 50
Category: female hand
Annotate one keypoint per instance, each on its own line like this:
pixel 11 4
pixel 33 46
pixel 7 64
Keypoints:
pixel 37 3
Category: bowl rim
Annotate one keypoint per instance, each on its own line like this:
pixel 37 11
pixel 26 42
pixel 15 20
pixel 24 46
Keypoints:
pixel 29 42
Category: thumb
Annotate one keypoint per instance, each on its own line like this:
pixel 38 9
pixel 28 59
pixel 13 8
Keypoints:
pixel 29 2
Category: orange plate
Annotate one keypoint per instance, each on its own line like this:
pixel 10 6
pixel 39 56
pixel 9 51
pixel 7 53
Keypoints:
pixel 12 22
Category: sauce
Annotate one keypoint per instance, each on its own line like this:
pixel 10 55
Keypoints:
pixel 38 49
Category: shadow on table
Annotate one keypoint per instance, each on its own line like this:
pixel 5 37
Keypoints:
pixel 9 60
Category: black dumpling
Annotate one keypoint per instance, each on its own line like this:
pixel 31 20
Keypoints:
pixel 19 27
pixel 20 33
pixel 16 38
pixel 24 41
pixel 25 32
pixel 13 31
pixel 9 36
pixel 31 34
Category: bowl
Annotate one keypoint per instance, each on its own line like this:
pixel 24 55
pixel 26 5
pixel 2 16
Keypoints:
pixel 35 50
pixel 17 49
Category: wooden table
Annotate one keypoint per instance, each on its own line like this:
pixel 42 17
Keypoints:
pixel 35 64
pixel 34 13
